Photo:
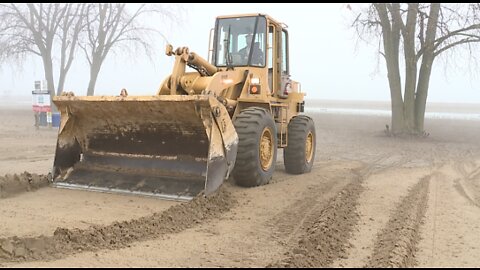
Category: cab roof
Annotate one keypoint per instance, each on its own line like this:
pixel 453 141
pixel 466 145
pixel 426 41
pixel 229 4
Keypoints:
pixel 252 15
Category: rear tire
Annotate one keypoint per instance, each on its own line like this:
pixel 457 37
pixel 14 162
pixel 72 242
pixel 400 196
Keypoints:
pixel 299 154
pixel 257 147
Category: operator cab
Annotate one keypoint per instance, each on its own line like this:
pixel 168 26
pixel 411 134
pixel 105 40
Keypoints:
pixel 240 42
pixel 253 40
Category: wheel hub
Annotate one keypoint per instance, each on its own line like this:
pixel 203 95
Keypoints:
pixel 266 149
pixel 309 147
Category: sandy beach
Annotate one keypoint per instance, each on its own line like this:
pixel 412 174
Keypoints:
pixel 370 200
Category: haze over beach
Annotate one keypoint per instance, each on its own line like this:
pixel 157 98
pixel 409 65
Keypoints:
pixel 327 60
pixel 466 111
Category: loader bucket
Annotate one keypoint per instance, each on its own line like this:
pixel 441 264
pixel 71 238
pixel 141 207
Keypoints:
pixel 171 146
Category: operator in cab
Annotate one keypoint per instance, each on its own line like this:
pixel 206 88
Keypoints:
pixel 257 54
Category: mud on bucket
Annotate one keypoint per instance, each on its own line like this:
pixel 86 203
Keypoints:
pixel 55 119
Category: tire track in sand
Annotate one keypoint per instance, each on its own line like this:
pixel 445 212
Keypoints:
pixel 384 189
pixel 451 234
pixel 322 231
pixel 323 234
pixel 396 245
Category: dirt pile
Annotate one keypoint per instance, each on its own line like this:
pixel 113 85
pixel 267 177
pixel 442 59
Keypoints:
pixel 17 183
pixel 119 234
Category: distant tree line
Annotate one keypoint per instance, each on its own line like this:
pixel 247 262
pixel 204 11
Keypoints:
pixel 60 31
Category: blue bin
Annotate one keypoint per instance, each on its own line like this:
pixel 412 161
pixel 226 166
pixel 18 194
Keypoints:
pixel 55 119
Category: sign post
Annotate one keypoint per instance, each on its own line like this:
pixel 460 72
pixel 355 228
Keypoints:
pixel 41 104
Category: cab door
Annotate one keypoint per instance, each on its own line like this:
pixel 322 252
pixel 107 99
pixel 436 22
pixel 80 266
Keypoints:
pixel 278 66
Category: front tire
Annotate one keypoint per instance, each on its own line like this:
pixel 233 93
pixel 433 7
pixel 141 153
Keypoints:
pixel 257 147
pixel 299 154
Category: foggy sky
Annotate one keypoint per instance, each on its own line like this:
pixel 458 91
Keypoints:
pixel 325 58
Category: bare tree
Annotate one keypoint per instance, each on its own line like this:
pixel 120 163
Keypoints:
pixel 420 32
pixel 110 26
pixel 70 28
pixel 37 29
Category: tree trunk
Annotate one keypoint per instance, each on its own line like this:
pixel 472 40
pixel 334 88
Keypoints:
pixel 48 69
pixel 410 67
pixel 94 71
pixel 61 81
pixel 426 68
pixel 398 120
pixel 422 93
pixel 395 83
pixel 391 41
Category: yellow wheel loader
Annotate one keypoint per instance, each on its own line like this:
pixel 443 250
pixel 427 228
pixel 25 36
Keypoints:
pixel 225 117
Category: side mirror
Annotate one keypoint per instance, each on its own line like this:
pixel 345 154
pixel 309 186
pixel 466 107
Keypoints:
pixel 169 50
